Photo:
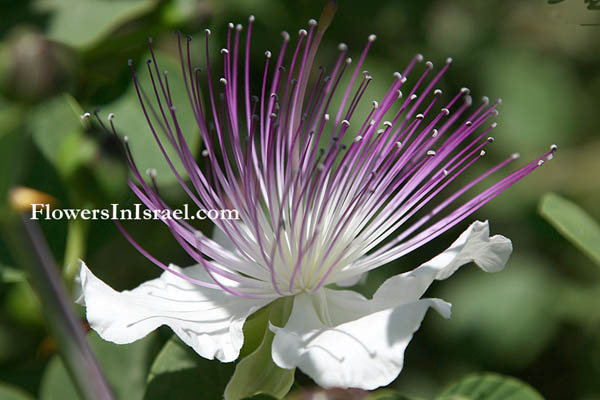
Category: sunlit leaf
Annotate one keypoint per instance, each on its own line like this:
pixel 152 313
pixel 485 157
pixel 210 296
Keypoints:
pixel 10 274
pixel 58 133
pixel 573 223
pixel 257 373
pixel 81 23
pixel 488 387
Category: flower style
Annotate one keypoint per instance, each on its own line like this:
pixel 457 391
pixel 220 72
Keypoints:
pixel 324 196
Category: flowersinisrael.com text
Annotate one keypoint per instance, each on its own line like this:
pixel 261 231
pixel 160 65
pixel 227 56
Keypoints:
pixel 139 212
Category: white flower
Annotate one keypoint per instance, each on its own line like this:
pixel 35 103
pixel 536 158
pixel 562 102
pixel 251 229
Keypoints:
pixel 324 196
pixel 337 337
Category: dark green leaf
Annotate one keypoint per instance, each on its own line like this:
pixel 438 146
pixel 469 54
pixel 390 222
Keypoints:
pixel 386 394
pixel 488 387
pixel 10 392
pixel 13 148
pixel 573 223
pixel 125 367
pixel 179 373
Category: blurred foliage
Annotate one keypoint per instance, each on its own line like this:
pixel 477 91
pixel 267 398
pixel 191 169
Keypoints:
pixel 537 321
pixel 125 367
pixel 574 223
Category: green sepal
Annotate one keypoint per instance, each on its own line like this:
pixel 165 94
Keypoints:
pixel 256 373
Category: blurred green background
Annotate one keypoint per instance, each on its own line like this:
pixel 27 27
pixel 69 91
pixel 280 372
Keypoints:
pixel 538 320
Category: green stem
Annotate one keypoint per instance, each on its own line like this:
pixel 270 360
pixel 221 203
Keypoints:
pixel 31 248
pixel 75 248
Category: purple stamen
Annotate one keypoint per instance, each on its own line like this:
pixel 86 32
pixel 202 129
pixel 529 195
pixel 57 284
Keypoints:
pixel 311 215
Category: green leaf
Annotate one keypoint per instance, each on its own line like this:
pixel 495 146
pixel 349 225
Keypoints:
pixel 11 275
pixel 83 23
pixel 489 386
pixel 179 373
pixel 130 120
pixel 23 305
pixel 58 133
pixel 14 148
pixel 573 223
pixel 10 392
pixel 125 367
pixel 505 318
pixel 387 394
pixel 254 330
pixel 257 373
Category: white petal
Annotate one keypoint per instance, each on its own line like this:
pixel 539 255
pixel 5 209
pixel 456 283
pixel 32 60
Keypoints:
pixel 341 339
pixel 210 321
pixel 366 352
pixel 473 245
pixel 353 280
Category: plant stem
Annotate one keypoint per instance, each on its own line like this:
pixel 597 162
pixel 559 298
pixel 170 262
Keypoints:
pixel 58 310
